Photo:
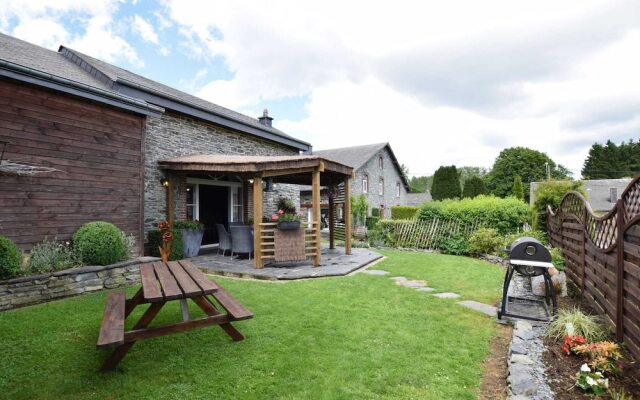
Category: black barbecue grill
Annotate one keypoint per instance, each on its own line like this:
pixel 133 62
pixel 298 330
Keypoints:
pixel 528 257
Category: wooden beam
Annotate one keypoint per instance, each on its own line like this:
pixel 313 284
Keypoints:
pixel 347 215
pixel 257 220
pixel 315 201
pixel 288 171
pixel 332 242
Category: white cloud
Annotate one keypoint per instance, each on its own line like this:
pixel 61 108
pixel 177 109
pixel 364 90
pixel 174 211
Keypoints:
pixel 144 29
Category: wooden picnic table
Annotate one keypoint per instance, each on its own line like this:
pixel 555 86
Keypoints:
pixel 161 283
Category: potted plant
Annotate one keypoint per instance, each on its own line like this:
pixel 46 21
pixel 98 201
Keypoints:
pixel 192 232
pixel 286 215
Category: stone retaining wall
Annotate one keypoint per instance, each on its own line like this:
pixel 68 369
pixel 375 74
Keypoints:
pixel 24 291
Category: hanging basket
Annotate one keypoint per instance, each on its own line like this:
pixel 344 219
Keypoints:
pixel 289 225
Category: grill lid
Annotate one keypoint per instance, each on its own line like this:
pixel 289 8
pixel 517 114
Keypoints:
pixel 528 251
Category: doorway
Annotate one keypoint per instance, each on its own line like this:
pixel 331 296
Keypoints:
pixel 213 207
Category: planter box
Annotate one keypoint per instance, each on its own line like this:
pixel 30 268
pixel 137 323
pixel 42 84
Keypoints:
pixel 289 225
pixel 191 241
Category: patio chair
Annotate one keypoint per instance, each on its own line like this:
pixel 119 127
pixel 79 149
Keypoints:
pixel 241 240
pixel 224 239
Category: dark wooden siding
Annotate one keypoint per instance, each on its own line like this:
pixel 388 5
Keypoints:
pixel 98 150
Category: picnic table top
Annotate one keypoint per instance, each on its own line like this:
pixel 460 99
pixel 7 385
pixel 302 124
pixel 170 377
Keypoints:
pixel 174 280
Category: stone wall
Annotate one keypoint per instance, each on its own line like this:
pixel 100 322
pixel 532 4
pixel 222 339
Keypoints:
pixel 174 135
pixel 36 289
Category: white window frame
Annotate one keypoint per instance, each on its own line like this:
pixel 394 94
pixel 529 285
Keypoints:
pixel 397 189
pixel 365 183
pixel 381 187
pixel 198 181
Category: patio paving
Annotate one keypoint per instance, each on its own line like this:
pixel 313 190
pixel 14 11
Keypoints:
pixel 333 263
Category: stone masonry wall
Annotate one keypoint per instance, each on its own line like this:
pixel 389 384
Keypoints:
pixel 36 289
pixel 174 135
pixel 390 175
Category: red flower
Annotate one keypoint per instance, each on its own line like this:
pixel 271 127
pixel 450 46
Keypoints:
pixel 274 217
pixel 167 237
pixel 280 212
pixel 162 225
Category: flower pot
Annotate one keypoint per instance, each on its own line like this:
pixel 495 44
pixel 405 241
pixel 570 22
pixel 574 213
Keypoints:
pixel 289 225
pixel 191 240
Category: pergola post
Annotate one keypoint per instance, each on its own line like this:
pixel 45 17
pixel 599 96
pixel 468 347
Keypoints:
pixel 332 241
pixel 257 220
pixel 347 215
pixel 315 203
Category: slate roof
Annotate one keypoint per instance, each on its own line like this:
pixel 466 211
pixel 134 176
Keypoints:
pixel 358 156
pixel 119 75
pixel 417 199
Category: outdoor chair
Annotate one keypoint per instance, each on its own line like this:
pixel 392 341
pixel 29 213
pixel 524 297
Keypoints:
pixel 241 240
pixel 224 239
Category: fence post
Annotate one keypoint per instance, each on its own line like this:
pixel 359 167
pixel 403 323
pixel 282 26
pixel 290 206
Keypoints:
pixel 620 270
pixel 585 235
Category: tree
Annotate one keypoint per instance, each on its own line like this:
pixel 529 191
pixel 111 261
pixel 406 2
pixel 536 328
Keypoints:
pixel 473 186
pixel 446 183
pixel 612 161
pixel 359 209
pixel 550 193
pixel 518 190
pixel 528 163
pixel 468 172
pixel 420 184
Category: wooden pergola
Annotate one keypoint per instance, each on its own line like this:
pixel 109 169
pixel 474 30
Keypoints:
pixel 300 170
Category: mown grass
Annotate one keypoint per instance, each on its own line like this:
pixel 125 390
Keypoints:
pixel 358 337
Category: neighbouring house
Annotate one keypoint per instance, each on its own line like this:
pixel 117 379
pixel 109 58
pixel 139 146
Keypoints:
pixel 417 199
pixel 99 134
pixel 602 194
pixel 378 177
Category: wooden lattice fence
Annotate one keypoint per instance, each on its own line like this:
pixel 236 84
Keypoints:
pixel 418 234
pixel 602 255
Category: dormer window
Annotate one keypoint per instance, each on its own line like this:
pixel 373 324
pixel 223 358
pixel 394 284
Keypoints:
pixel 365 183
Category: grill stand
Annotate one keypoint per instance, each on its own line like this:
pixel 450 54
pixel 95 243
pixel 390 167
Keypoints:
pixel 513 302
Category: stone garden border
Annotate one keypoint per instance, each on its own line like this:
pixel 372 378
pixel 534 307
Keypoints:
pixel 35 289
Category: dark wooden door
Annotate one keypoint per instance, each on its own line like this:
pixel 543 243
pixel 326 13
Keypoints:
pixel 214 209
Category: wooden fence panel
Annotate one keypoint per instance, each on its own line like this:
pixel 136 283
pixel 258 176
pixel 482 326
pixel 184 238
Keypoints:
pixel 602 255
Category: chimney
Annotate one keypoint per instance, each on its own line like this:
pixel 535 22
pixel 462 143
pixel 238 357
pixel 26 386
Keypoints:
pixel 265 119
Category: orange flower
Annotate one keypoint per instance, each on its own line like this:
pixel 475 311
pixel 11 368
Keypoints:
pixel 167 237
pixel 162 225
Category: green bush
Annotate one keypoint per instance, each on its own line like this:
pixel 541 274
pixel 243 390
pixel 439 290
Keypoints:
pixel 375 212
pixel 188 224
pixel 50 256
pixel 504 215
pixel 176 244
pixel 557 259
pixel 372 222
pixel 485 241
pixel 457 245
pixel 550 194
pixel 10 258
pixel 99 243
pixel 403 212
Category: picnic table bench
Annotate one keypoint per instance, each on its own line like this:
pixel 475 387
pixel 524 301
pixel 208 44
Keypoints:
pixel 161 283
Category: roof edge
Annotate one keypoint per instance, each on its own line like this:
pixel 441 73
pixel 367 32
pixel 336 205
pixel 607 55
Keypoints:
pixel 49 81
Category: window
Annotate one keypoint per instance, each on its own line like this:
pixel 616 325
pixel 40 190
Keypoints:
pixel 381 187
pixel 365 183
pixel 191 202
pixel 380 162
pixel 613 195
pixel 397 189
pixel 236 204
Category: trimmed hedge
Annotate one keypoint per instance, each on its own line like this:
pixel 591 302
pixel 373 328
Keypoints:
pixel 504 215
pixel 550 193
pixel 372 222
pixel 155 240
pixel 99 243
pixel 10 258
pixel 404 212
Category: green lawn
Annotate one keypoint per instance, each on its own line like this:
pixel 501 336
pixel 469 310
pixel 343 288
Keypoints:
pixel 357 337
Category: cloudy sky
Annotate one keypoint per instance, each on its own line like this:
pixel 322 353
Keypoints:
pixel 445 82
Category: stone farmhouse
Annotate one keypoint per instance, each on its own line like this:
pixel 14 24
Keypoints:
pixel 83 140
pixel 377 175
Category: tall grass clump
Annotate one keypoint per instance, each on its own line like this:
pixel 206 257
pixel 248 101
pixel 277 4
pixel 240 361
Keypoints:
pixel 589 327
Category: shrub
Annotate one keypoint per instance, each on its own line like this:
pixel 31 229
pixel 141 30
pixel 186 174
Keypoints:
pixel 457 245
pixel 587 326
pixel 474 186
pixel 557 259
pixel 550 194
pixel 10 258
pixel 176 244
pixel 602 356
pixel 372 222
pixel 375 212
pixel 403 212
pixel 99 243
pixel 505 215
pixel 446 183
pixel 485 241
pixel 51 256
pixel 188 224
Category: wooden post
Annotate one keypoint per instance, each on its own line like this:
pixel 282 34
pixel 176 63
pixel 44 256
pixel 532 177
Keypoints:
pixel 257 220
pixel 332 244
pixel 347 215
pixel 170 206
pixel 620 271
pixel 315 203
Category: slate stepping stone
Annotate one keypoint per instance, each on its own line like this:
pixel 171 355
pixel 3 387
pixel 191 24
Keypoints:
pixel 375 272
pixel 483 308
pixel 398 278
pixel 413 284
pixel 425 289
pixel 447 295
